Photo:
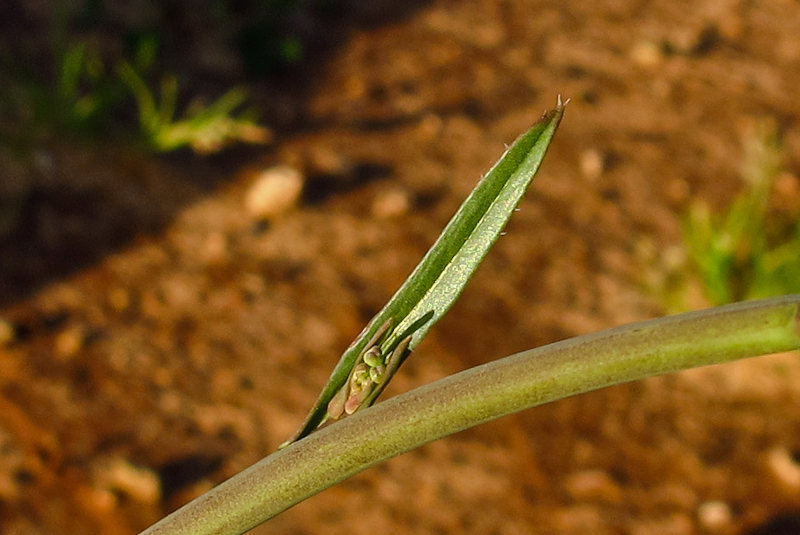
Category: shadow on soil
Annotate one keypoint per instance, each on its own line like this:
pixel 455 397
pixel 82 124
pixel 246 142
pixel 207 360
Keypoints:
pixel 65 206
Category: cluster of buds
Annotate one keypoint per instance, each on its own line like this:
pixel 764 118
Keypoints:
pixel 373 368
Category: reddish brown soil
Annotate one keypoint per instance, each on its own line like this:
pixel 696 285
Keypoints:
pixel 165 339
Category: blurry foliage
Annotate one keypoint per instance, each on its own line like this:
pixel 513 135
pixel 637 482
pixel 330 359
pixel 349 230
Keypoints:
pixel 753 249
pixel 750 250
pixel 79 100
pixel 100 63
pixel 205 128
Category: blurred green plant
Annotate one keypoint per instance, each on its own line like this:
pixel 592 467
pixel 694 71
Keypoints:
pixel 205 128
pixel 85 90
pixel 750 251
pixel 85 94
pixel 86 98
pixel 79 97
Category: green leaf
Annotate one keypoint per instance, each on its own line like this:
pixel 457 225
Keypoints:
pixel 441 276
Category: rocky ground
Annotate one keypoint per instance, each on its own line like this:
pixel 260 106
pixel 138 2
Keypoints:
pixel 160 331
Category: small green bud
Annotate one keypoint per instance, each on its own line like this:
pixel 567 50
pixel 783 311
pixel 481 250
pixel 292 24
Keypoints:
pixel 373 357
pixel 360 378
pixel 377 374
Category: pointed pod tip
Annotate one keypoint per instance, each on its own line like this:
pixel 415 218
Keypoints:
pixel 555 113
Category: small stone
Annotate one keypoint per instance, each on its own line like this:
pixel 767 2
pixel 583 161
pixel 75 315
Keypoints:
pixel 328 162
pixel 695 40
pixel 594 485
pixel 714 515
pixel 69 342
pixel 119 475
pixel 274 192
pixel 390 203
pixel 784 468
pixel 647 54
pixel 593 163
pixel 430 127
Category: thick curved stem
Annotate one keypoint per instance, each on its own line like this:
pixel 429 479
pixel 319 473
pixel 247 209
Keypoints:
pixel 483 393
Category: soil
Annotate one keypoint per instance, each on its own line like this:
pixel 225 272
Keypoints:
pixel 158 336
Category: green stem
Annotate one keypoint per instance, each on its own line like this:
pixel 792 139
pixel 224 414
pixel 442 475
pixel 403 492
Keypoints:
pixel 481 394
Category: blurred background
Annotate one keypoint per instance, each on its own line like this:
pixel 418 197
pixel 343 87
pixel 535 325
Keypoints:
pixel 202 203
